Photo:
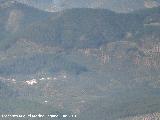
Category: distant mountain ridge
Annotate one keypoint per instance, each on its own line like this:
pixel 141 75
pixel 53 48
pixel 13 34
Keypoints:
pixel 114 5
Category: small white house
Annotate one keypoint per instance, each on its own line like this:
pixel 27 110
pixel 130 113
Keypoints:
pixel 64 76
pixel 42 78
pixel 48 78
pixel 13 80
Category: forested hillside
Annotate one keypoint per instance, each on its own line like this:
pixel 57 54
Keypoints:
pixel 94 63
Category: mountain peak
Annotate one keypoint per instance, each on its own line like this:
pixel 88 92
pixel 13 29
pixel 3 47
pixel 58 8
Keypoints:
pixel 114 5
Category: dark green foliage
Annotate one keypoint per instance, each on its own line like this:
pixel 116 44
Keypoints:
pixel 77 28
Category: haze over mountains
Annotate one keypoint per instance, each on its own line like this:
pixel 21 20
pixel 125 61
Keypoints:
pixel 95 63
pixel 114 5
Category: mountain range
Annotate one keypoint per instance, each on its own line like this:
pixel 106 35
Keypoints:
pixel 92 62
pixel 114 5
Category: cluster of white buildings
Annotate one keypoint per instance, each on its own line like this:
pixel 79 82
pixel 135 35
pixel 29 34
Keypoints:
pixel 35 81
pixel 31 82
